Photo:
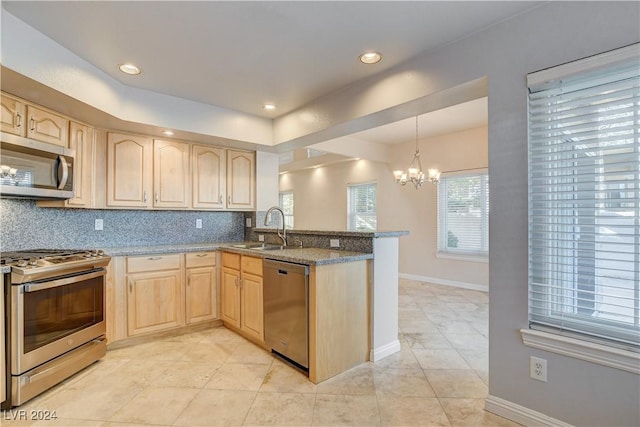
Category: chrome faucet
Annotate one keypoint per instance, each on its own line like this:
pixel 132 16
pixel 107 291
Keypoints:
pixel 283 236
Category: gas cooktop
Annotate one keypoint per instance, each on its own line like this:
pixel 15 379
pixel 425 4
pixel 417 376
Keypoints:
pixel 39 264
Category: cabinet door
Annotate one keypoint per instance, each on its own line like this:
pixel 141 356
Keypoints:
pixel 154 302
pixel 81 140
pixel 252 321
pixel 241 179
pixel 209 177
pixel 46 126
pixel 128 171
pixel 201 294
pixel 170 174
pixel 230 296
pixel 13 115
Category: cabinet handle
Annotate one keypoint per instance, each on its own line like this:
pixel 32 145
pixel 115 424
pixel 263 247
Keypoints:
pixel 32 124
pixel 144 196
pixel 18 120
pixel 130 286
pixel 201 255
pixel 154 258
pixel 240 283
pixel 229 198
pixel 156 197
pixel 220 199
pixel 189 281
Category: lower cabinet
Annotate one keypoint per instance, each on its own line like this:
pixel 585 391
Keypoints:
pixel 154 293
pixel 241 293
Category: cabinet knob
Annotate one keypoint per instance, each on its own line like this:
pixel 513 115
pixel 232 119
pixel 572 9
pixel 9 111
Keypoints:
pixel 156 197
pixel 154 258
pixel 18 120
pixel 32 124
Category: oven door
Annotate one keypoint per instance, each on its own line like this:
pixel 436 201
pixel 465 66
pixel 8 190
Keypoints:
pixel 52 317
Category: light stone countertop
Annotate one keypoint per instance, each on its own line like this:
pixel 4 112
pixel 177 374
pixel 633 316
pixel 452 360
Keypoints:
pixel 309 256
pixel 338 233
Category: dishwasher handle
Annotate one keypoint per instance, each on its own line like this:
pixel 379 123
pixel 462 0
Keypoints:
pixel 283 268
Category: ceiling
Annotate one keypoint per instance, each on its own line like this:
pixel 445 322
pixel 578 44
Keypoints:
pixel 240 55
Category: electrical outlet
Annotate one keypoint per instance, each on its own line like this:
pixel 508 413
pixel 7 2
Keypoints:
pixel 260 237
pixel 198 223
pixel 538 368
pixel 99 224
pixel 248 222
pixel 334 243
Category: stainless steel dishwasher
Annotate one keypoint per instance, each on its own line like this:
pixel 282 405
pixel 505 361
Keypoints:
pixel 286 310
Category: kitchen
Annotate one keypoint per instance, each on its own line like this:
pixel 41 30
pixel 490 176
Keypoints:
pixel 458 69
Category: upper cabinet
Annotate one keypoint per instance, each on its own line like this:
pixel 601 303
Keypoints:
pixel 14 112
pixel 170 174
pixel 241 180
pixel 81 140
pixel 208 177
pixel 129 168
pixel 24 119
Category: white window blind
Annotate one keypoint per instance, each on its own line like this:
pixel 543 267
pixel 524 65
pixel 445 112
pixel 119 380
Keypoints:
pixel 584 199
pixel 362 207
pixel 463 214
pixel 286 204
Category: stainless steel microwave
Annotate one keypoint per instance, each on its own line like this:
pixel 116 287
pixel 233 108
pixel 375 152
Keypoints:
pixel 35 170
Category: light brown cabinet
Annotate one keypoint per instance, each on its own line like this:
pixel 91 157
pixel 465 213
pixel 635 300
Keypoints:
pixel 241 294
pixel 129 171
pixel 241 179
pixel 13 115
pixel 18 117
pixel 154 299
pixel 201 296
pixel 208 176
pixel 81 140
pixel 170 174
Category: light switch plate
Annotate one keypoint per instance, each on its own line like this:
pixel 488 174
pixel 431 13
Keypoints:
pixel 99 224
pixel 199 223
pixel 248 222
pixel 334 243
pixel 260 237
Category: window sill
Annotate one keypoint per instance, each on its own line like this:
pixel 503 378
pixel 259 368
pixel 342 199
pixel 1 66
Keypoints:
pixel 462 257
pixel 584 350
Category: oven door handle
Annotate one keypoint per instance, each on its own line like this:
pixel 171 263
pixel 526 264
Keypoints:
pixel 34 287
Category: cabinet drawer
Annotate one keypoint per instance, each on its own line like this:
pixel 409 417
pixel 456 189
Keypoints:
pixel 252 265
pixel 230 260
pixel 201 259
pixel 153 263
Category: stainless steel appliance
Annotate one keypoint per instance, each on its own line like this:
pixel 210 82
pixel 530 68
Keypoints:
pixel 34 169
pixel 286 310
pixel 55 305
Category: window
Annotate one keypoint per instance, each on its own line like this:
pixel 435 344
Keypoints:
pixel 584 199
pixel 286 204
pixel 463 214
pixel 362 207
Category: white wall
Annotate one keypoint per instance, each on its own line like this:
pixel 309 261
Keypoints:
pixel 320 198
pixel 577 392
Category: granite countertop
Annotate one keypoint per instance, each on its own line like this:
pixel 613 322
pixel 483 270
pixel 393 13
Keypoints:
pixel 371 234
pixel 309 256
pixel 5 269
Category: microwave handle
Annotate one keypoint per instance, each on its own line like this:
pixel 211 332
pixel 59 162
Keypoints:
pixel 63 175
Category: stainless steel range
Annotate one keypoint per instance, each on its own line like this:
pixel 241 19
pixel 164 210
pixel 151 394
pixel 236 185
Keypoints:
pixel 55 317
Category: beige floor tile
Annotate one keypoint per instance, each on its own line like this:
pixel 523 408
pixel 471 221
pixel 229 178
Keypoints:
pixel 470 412
pixel 456 383
pixel 250 353
pixel 341 410
pixel 156 405
pixel 401 360
pixel 283 378
pixel 430 341
pixel 401 382
pixel 411 411
pixel 281 409
pixel 205 352
pixel 68 422
pixel 186 374
pixel 137 372
pixel 440 359
pixel 217 408
pixel 474 341
pixel 238 376
pixel 417 326
pixel 358 380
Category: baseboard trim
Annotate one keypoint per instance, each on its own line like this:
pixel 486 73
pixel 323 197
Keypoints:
pixel 446 282
pixel 520 414
pixel 386 350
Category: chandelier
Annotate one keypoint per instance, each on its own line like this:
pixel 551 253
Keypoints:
pixel 415 174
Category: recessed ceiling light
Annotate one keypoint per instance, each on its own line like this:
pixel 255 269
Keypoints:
pixel 129 69
pixel 167 133
pixel 370 57
pixel 269 107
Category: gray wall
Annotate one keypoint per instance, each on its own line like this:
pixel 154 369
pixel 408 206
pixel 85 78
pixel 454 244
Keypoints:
pixel 577 392
pixel 25 226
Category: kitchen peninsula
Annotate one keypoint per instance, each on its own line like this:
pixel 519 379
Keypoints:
pixel 353 291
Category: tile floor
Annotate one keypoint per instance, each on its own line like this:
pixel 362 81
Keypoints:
pixel 210 378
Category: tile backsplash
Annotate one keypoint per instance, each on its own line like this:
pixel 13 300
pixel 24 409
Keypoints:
pixel 23 225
